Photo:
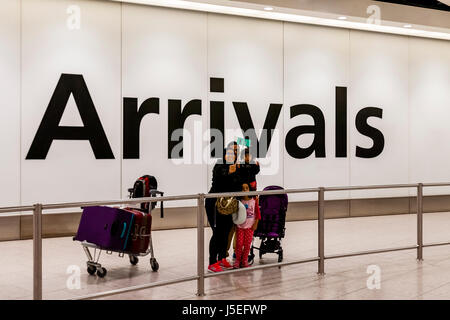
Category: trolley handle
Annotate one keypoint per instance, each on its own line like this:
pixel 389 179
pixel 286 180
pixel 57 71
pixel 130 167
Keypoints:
pixel 153 193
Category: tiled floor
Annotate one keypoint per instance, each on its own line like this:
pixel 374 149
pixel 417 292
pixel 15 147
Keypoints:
pixel 402 277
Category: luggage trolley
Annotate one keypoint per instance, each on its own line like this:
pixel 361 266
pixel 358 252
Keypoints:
pixel 93 265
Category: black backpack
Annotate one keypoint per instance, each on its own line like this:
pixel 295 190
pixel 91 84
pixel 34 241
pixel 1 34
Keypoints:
pixel 144 187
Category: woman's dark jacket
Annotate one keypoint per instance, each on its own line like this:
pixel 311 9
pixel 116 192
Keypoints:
pixel 222 181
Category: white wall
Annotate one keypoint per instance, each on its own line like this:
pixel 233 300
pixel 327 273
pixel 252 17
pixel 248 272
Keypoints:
pixel 10 103
pixel 164 56
pixel 125 50
pixel 49 48
pixel 379 78
pixel 316 60
pixel 429 103
pixel 248 54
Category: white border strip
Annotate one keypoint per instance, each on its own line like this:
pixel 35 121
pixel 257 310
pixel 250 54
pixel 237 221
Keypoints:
pixel 279 16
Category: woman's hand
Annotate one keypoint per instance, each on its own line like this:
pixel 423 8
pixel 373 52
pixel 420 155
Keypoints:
pixel 232 169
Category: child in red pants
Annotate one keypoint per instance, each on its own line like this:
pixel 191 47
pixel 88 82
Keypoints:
pixel 244 232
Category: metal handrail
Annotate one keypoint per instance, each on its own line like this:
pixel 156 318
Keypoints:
pixel 437 184
pixel 117 202
pixel 361 253
pixel 16 209
pixel 134 288
pixel 65 205
pixel 391 186
pixel 200 277
pixel 169 198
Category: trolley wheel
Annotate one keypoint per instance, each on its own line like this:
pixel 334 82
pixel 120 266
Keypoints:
pixel 101 272
pixel 154 264
pixel 134 260
pixel 280 256
pixel 91 270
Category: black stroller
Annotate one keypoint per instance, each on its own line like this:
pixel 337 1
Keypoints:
pixel 271 228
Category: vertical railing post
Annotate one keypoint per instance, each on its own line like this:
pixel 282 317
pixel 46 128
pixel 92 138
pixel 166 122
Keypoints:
pixel 420 222
pixel 37 252
pixel 321 231
pixel 200 245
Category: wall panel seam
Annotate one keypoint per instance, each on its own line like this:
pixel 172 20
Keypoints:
pixel 121 103
pixel 284 102
pixel 20 108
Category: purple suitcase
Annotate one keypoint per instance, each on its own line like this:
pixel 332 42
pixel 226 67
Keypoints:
pixel 108 228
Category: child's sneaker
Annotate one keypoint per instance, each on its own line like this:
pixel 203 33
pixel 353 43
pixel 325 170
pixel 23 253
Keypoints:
pixel 215 267
pixel 225 264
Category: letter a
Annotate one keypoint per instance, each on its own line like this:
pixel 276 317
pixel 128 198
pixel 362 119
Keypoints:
pixel 50 130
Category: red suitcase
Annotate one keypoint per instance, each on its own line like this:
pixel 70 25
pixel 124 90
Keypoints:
pixel 140 233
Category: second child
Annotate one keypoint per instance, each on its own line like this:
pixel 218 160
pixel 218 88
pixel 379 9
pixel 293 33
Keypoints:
pixel 244 231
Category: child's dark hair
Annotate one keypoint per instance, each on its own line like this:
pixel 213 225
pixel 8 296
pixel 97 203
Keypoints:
pixel 232 144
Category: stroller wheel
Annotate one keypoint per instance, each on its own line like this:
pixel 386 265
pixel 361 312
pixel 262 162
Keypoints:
pixel 280 256
pixel 154 264
pixel 260 254
pixel 101 272
pixel 251 259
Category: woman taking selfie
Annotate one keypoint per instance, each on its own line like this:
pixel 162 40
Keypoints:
pixel 225 179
